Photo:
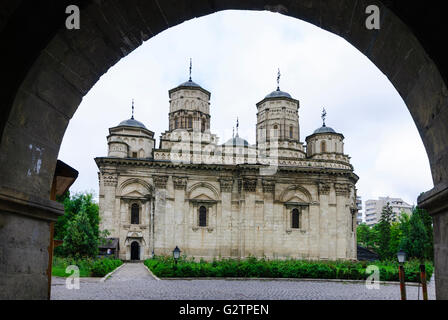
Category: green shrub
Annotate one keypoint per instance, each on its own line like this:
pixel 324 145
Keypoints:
pixel 262 268
pixel 102 267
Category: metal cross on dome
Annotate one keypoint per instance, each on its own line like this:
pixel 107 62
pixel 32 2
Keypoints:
pixel 278 79
pixel 132 109
pixel 191 67
pixel 324 116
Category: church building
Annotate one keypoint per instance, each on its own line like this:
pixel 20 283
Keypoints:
pixel 279 198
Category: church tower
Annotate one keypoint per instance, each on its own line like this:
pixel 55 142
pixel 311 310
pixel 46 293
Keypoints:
pixel 189 118
pixel 278 117
pixel 278 122
pixel 189 107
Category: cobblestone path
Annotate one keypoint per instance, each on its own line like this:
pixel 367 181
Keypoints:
pixel 133 281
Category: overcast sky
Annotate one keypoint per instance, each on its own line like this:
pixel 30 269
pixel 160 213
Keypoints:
pixel 236 55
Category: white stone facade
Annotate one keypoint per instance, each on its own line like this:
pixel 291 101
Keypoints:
pixel 234 200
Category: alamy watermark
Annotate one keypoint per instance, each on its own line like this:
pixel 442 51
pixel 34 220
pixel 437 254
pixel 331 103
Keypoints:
pixel 72 281
pixel 73 21
pixel 373 20
pixel 373 280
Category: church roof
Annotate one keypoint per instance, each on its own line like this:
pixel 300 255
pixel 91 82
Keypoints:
pixel 278 94
pixel 189 83
pixel 132 123
pixel 324 129
pixel 237 141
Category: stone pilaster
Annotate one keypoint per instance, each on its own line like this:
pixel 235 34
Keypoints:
pixel 226 184
pixel 250 185
pixel 268 186
pixel 160 181
pixel 180 183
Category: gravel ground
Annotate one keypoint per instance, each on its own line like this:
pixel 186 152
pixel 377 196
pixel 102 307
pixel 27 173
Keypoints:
pixel 133 281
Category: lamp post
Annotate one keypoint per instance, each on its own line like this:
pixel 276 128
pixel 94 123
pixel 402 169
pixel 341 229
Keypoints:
pixel 423 280
pixel 176 255
pixel 401 255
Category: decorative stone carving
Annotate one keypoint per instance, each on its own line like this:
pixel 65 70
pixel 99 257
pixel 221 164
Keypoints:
pixel 342 189
pixel 268 185
pixel 110 179
pixel 250 185
pixel 324 189
pixel 226 184
pixel 160 181
pixel 180 183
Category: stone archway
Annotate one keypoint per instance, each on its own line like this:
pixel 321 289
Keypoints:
pixel 50 73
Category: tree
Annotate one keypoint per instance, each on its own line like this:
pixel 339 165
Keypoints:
pixel 73 207
pixel 384 232
pixel 417 242
pixel 428 223
pixel 366 236
pixel 80 240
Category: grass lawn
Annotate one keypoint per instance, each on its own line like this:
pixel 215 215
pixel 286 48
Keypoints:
pixel 88 267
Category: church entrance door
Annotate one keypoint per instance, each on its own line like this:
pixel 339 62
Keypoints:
pixel 135 251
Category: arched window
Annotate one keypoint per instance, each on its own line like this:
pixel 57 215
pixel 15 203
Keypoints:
pixel 176 123
pixel 323 147
pixel 295 223
pixel 190 122
pixel 135 214
pixel 291 132
pixel 276 131
pixel 202 216
pixel 203 125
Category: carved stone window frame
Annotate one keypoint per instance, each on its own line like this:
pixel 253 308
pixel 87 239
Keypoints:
pixel 140 207
pixel 210 206
pixel 303 209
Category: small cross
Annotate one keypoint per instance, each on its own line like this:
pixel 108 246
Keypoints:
pixel 324 115
pixel 278 79
pixel 191 67
pixel 132 109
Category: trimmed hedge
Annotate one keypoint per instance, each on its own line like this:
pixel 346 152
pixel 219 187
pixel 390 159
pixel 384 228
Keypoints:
pixel 263 268
pixel 87 267
pixel 102 267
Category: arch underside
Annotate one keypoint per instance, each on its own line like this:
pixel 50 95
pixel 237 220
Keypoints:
pixel 71 62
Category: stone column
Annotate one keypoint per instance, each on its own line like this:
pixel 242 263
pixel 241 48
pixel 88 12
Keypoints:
pixel 324 239
pixel 108 212
pixel 342 221
pixel 435 202
pixel 160 237
pixel 180 213
pixel 25 244
pixel 268 211
pixel 250 186
pixel 226 227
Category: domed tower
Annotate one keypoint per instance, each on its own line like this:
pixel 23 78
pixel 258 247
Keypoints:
pixel 278 117
pixel 189 116
pixel 278 121
pixel 189 107
pixel 325 143
pixel 131 139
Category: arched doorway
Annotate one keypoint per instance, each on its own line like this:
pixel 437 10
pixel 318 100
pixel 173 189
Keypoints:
pixel 135 251
pixel 50 74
